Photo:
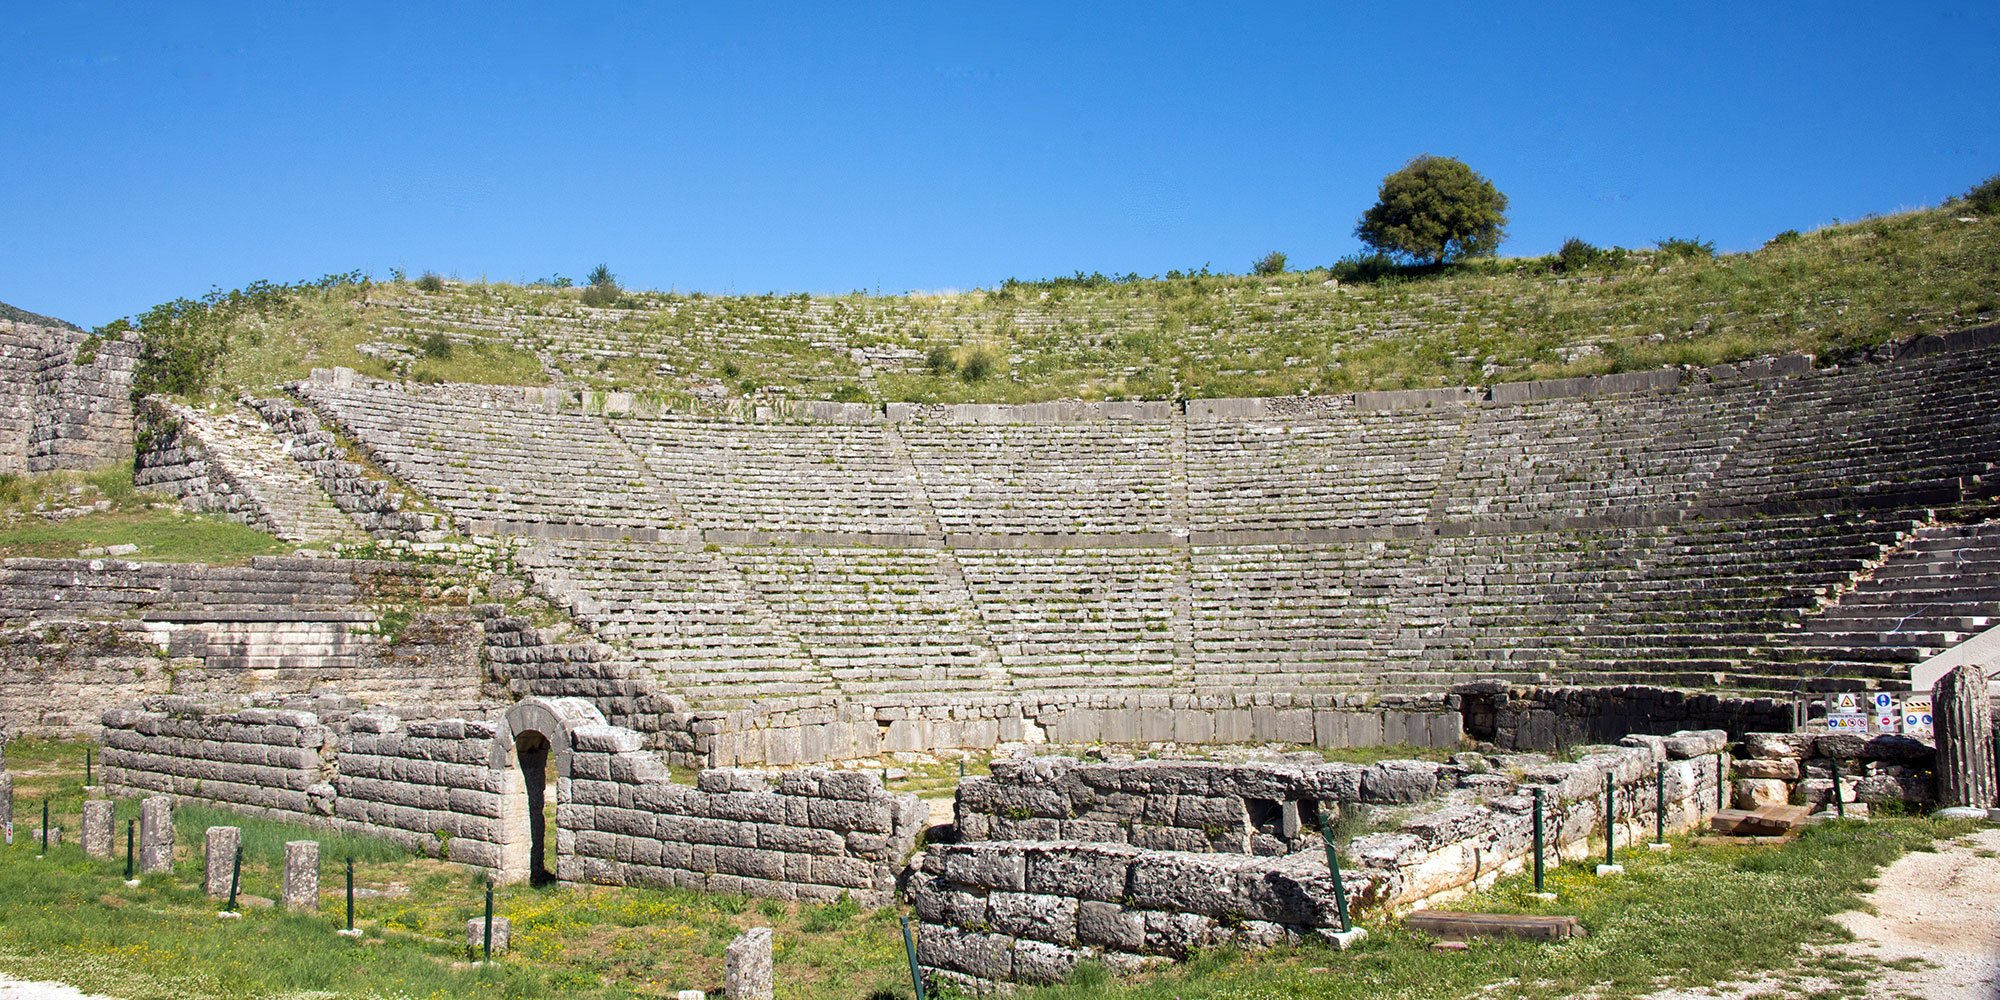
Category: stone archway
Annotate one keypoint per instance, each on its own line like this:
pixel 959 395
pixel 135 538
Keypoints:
pixel 531 750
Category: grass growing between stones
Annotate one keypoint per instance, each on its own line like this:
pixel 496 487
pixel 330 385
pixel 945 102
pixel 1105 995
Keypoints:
pixel 56 515
pixel 1706 913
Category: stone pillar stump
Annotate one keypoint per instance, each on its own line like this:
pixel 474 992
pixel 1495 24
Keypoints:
pixel 748 974
pixel 97 822
pixel 300 890
pixel 156 834
pixel 1965 763
pixel 219 859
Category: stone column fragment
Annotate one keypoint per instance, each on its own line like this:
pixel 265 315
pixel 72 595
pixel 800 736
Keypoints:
pixel 1964 739
pixel 7 803
pixel 156 834
pixel 475 935
pixel 97 822
pixel 219 854
pixel 748 974
pixel 301 885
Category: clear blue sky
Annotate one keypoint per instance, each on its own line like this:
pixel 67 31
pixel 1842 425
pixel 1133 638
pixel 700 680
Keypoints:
pixel 154 150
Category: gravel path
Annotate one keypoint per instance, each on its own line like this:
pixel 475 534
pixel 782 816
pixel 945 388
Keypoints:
pixel 20 989
pixel 1940 907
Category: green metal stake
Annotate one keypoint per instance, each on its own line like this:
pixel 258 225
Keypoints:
pixel 129 824
pixel 86 768
pixel 1721 777
pixel 1660 816
pixel 1839 800
pixel 910 949
pixel 45 826
pixel 1610 822
pixel 1538 838
pixel 350 894
pixel 1333 865
pixel 235 875
pixel 488 946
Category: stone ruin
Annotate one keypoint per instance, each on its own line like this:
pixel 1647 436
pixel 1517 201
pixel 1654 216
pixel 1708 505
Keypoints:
pixel 505 594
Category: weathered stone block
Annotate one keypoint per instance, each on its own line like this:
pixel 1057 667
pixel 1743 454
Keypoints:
pixel 219 859
pixel 747 966
pixel 300 887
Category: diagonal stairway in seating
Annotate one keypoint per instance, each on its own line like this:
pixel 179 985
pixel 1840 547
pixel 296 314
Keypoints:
pixel 1938 589
pixel 244 456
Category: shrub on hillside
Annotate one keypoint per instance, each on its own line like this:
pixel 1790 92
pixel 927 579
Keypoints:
pixel 1984 198
pixel 1788 236
pixel 978 363
pixel 938 361
pixel 1576 255
pixel 430 281
pixel 1694 249
pixel 1435 210
pixel 1269 265
pixel 1361 269
pixel 602 289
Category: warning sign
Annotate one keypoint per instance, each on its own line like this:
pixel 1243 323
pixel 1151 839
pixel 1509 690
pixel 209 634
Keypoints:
pixel 1885 715
pixel 1844 703
pixel 1847 722
pixel 1917 716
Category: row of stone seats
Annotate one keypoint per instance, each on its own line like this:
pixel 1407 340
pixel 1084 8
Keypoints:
pixel 783 476
pixel 1925 422
pixel 1336 470
pixel 1940 588
pixel 497 461
pixel 1100 477
pixel 76 588
pixel 1080 617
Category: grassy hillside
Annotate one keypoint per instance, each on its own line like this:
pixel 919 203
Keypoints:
pixel 1828 292
pixel 17 314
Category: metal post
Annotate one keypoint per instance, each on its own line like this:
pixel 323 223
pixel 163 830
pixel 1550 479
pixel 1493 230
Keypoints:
pixel 1841 801
pixel 1721 778
pixel 86 768
pixel 45 826
pixel 350 894
pixel 129 824
pixel 235 876
pixel 1333 865
pixel 910 950
pixel 1660 817
pixel 488 946
pixel 1538 838
pixel 1610 822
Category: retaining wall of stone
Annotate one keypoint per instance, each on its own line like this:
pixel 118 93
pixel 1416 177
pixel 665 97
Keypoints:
pixel 1548 718
pixel 65 397
pixel 1030 908
pixel 803 835
pixel 1782 767
pixel 429 784
pixel 268 761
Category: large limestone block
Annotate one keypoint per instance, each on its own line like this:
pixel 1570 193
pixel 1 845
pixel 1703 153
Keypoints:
pixel 97 821
pixel 156 834
pixel 219 850
pixel 300 889
pixel 748 973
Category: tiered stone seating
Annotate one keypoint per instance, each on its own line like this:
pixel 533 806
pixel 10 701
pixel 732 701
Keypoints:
pixel 684 612
pixel 1562 458
pixel 1297 615
pixel 230 461
pixel 876 620
pixel 1097 477
pixel 1911 429
pixel 1338 469
pixel 1082 617
pixel 489 461
pixel 1940 588
pixel 783 476
pixel 284 587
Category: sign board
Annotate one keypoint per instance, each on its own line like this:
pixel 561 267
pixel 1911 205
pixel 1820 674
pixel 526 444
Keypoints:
pixel 1917 716
pixel 1884 712
pixel 1847 722
pixel 1844 703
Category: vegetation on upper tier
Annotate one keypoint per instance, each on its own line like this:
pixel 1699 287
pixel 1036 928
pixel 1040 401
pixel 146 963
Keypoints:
pixel 1379 326
pixel 1702 914
pixel 57 515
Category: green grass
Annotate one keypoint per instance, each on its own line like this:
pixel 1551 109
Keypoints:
pixel 161 528
pixel 1829 292
pixel 1705 913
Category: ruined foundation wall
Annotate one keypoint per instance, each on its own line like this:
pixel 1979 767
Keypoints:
pixel 429 784
pixel 1030 908
pixel 65 398
pixel 1549 718
pixel 57 678
pixel 267 761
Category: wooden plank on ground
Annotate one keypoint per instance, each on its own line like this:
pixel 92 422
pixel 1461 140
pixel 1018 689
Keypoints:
pixel 1458 926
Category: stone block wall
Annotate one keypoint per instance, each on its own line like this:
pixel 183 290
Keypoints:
pixel 275 762
pixel 1782 767
pixel 65 398
pixel 57 678
pixel 1061 888
pixel 803 835
pixel 429 784
pixel 1546 718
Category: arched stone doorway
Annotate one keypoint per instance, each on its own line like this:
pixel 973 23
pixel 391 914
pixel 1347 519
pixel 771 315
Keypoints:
pixel 531 750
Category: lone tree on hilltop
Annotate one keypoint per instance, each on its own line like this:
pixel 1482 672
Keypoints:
pixel 602 289
pixel 1435 210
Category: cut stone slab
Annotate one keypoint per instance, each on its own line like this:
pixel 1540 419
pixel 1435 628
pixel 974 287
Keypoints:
pixel 1345 939
pixel 1452 925
pixel 97 820
pixel 219 850
pixel 475 935
pixel 156 834
pixel 748 966
pixel 1606 870
pixel 300 890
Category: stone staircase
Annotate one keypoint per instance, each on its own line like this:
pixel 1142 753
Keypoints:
pixel 1938 589
pixel 232 463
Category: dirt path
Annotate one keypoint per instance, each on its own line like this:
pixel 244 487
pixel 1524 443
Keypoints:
pixel 1938 911
pixel 21 989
